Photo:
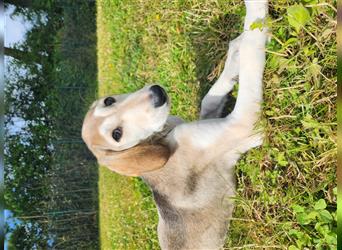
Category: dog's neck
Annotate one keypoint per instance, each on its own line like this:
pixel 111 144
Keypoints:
pixel 153 178
pixel 160 136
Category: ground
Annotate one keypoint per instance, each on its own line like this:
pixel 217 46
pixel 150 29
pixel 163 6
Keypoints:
pixel 286 189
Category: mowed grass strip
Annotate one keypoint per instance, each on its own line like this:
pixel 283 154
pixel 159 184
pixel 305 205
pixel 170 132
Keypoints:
pixel 286 195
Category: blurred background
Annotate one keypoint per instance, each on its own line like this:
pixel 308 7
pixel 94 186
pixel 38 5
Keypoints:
pixel 50 79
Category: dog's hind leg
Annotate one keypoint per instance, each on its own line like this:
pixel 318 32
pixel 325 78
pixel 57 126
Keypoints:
pixel 213 103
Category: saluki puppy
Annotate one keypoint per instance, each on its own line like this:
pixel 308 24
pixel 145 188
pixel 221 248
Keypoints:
pixel 189 166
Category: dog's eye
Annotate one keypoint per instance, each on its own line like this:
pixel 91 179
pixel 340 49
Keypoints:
pixel 109 101
pixel 117 134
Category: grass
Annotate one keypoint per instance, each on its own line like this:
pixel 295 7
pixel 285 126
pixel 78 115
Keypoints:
pixel 286 196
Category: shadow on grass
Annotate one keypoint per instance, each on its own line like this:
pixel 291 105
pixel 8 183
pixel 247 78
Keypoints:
pixel 211 46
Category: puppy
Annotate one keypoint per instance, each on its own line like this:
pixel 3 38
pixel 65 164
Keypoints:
pixel 189 166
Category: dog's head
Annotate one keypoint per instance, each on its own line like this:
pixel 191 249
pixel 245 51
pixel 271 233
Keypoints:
pixel 117 130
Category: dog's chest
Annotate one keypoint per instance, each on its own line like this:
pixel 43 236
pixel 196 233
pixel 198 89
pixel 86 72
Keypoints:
pixel 192 227
pixel 196 183
pixel 193 200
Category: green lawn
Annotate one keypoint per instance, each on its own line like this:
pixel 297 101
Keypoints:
pixel 286 189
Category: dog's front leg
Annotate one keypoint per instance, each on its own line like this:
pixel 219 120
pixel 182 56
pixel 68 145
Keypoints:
pixel 252 63
pixel 212 102
pixel 239 125
pixel 245 61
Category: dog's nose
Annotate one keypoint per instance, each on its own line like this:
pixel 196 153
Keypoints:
pixel 159 96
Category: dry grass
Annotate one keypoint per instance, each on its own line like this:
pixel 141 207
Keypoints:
pixel 281 185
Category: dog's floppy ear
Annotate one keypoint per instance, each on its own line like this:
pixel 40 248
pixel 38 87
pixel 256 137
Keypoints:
pixel 135 161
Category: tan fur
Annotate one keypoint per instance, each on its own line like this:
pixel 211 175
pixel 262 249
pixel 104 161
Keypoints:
pixel 130 162
pixel 90 133
pixel 135 161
